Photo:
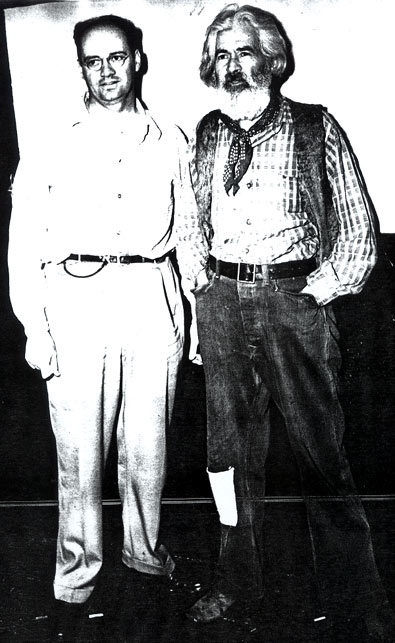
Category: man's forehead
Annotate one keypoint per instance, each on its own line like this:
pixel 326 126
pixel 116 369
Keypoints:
pixel 105 39
pixel 236 37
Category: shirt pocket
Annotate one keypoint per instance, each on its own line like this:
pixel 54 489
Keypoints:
pixel 281 191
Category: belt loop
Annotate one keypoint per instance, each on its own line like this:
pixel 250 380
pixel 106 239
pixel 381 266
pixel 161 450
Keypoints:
pixel 217 268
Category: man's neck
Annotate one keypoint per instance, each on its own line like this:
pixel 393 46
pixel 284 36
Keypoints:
pixel 247 122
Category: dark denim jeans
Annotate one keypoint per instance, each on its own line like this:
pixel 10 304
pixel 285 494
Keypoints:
pixel 262 341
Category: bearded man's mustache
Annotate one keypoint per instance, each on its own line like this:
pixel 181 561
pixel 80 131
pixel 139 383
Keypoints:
pixel 233 78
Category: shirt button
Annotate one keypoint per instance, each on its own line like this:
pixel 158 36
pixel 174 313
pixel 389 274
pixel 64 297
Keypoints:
pixel 248 222
pixel 119 196
pixel 249 185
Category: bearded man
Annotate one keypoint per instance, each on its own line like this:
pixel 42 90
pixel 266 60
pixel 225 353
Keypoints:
pixel 291 228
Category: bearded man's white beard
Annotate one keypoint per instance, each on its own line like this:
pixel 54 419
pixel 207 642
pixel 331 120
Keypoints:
pixel 247 104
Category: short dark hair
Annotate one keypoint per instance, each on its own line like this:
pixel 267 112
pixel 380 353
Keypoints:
pixel 133 35
pixel 270 33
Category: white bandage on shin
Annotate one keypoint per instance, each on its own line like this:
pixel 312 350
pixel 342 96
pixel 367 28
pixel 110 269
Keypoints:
pixel 223 488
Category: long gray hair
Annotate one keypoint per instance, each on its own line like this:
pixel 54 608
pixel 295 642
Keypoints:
pixel 269 32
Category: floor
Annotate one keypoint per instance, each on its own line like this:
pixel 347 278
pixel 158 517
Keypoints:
pixel 128 607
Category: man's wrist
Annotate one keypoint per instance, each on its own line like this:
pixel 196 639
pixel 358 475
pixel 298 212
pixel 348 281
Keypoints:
pixel 201 279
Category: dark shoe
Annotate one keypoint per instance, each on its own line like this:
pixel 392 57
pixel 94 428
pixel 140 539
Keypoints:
pixel 211 606
pixel 380 624
pixel 66 621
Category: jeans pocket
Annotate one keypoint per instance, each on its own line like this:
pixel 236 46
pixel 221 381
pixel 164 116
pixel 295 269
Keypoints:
pixel 292 287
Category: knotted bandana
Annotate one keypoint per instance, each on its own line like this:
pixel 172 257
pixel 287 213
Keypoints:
pixel 240 152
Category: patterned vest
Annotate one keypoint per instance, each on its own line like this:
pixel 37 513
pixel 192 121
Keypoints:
pixel 310 150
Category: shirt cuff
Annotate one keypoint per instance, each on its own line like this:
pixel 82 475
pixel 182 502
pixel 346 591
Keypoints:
pixel 323 284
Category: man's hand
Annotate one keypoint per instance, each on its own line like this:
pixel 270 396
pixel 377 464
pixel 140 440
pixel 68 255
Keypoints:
pixel 194 354
pixel 306 292
pixel 202 282
pixel 41 354
pixel 190 289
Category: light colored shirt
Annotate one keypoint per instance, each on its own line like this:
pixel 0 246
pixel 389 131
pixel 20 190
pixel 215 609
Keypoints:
pixel 265 222
pixel 110 184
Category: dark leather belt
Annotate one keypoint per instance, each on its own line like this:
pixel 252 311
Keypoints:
pixel 116 258
pixel 249 271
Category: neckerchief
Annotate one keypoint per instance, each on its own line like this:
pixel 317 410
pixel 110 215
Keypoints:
pixel 240 152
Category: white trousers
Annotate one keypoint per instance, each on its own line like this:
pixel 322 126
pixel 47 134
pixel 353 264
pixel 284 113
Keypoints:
pixel 119 339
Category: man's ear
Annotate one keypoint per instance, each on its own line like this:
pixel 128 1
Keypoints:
pixel 81 70
pixel 137 60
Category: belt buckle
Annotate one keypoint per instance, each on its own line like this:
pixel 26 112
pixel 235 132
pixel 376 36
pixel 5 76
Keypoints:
pixel 246 272
pixel 113 259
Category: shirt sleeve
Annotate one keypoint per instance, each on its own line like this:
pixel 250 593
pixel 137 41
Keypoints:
pixel 26 245
pixel 192 249
pixel 354 254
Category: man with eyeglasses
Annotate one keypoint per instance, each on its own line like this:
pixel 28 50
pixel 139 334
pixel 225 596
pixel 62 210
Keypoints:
pixel 91 279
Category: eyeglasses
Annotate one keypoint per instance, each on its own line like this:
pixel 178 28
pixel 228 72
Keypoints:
pixel 116 61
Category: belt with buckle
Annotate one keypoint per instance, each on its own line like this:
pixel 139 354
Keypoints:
pixel 248 272
pixel 116 258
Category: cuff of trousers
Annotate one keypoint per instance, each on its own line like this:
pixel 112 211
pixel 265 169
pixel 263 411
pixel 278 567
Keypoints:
pixel 163 567
pixel 72 595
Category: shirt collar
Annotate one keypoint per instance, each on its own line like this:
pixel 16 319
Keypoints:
pixel 273 127
pixel 139 124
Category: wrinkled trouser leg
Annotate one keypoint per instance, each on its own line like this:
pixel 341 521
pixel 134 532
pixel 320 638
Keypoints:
pixel 300 356
pixel 282 344
pixel 142 455
pixel 119 345
pixel 237 434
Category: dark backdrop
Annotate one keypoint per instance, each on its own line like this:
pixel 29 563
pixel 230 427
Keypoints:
pixel 366 321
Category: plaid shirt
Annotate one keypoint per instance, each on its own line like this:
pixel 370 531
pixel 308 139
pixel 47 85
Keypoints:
pixel 265 222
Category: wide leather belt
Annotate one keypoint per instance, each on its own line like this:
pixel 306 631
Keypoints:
pixel 116 258
pixel 249 272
